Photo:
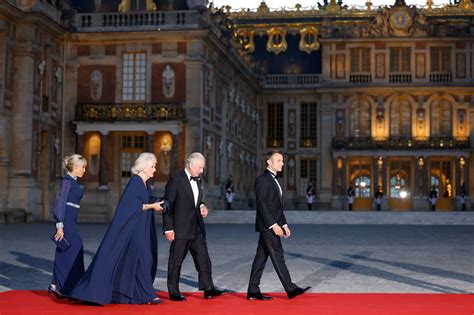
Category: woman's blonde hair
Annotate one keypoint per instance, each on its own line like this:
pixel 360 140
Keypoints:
pixel 142 161
pixel 72 161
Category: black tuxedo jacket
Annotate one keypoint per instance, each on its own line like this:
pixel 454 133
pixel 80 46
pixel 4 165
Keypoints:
pixel 183 216
pixel 269 202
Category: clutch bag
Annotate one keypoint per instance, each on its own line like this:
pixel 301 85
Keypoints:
pixel 62 245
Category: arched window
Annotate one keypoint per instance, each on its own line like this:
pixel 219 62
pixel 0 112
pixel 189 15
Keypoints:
pixel 360 118
pixel 400 118
pixel 441 119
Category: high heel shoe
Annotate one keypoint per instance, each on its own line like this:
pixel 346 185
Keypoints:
pixel 154 301
pixel 56 293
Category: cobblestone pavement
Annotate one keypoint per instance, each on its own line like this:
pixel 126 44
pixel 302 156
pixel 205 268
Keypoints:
pixel 330 258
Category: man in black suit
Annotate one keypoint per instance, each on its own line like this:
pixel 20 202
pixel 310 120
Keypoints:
pixel 184 227
pixel 271 223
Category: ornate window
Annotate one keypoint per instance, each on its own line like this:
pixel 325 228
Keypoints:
pixel 308 170
pixel 360 118
pixel 134 76
pixel 441 59
pixel 275 125
pixel 360 60
pixel 441 119
pixel 308 130
pixel 400 59
pixel 400 119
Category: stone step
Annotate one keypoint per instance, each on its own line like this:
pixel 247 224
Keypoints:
pixel 350 217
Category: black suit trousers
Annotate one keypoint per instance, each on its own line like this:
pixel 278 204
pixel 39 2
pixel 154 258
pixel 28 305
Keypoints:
pixel 269 245
pixel 198 248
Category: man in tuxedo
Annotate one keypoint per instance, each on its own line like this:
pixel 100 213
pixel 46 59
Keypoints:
pixel 184 227
pixel 271 223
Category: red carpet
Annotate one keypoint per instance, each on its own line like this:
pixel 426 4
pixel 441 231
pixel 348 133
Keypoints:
pixel 37 302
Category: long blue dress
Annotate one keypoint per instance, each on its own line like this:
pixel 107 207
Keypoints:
pixel 124 267
pixel 69 264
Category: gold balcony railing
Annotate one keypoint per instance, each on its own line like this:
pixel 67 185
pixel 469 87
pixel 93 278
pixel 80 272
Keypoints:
pixel 130 112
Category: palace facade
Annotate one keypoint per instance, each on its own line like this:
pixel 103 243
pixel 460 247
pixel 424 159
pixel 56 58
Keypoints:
pixel 369 97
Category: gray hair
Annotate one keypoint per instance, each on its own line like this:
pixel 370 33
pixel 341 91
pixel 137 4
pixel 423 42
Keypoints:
pixel 142 161
pixel 72 161
pixel 194 157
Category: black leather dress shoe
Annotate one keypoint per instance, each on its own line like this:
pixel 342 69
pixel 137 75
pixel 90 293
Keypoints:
pixel 297 291
pixel 258 296
pixel 209 294
pixel 177 297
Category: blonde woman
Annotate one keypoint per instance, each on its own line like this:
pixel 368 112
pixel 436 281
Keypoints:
pixel 124 267
pixel 68 262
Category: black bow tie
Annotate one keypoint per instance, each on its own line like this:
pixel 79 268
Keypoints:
pixel 196 178
pixel 275 175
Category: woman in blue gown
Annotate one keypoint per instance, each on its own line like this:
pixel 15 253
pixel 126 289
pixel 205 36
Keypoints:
pixel 68 264
pixel 124 267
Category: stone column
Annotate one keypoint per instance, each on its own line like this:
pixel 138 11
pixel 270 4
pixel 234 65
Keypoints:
pixel 376 174
pixel 336 174
pixel 26 191
pixel 344 176
pixel 175 154
pixel 80 144
pixel 385 188
pixel 457 177
pixel 416 180
pixel 150 143
pixel 325 141
pixel 103 164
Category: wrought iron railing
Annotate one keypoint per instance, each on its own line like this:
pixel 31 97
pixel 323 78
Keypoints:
pixel 132 21
pixel 402 143
pixel 129 112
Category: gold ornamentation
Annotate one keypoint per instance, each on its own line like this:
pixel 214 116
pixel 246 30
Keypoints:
pixel 245 39
pixel 276 40
pixel 401 19
pixel 124 6
pixel 309 39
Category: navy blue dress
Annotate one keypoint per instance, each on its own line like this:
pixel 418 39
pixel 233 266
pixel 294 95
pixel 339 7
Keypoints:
pixel 124 267
pixel 69 264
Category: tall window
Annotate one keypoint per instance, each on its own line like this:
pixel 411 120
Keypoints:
pixel 441 119
pixel 360 60
pixel 134 76
pixel 138 5
pixel 400 59
pixel 360 118
pixel 400 119
pixel 308 170
pixel 308 135
pixel 440 59
pixel 275 125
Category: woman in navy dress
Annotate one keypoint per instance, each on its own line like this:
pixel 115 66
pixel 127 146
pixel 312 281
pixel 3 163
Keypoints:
pixel 68 264
pixel 124 267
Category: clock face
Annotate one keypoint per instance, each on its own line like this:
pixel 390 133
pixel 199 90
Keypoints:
pixel 400 20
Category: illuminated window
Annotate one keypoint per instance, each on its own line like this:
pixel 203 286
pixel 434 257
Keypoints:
pixel 441 119
pixel 308 170
pixel 360 118
pixel 308 125
pixel 400 119
pixel 134 76
pixel 275 125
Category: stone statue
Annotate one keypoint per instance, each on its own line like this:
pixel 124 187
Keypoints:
pixel 96 84
pixel 168 82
